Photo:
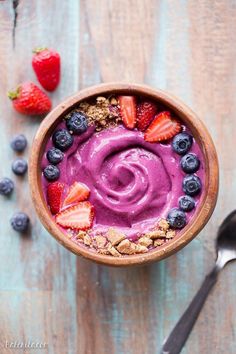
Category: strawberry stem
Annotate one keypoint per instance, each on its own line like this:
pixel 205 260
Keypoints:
pixel 39 49
pixel 14 94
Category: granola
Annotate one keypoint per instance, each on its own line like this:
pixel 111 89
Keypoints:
pixel 116 244
pixel 104 112
pixel 114 236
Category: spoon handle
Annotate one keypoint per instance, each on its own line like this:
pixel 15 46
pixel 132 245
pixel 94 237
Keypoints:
pixel 182 329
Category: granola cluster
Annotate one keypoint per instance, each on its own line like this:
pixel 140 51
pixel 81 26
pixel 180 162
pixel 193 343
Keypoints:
pixel 116 243
pixel 103 112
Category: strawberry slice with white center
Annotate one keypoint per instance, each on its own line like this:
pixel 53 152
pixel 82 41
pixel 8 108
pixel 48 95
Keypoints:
pixel 162 128
pixel 78 192
pixel 128 110
pixel 79 216
pixel 54 196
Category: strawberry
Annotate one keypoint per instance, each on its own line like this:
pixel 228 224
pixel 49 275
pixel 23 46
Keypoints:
pixel 79 216
pixel 145 113
pixel 163 127
pixel 54 196
pixel 77 193
pixel 128 110
pixel 46 64
pixel 30 100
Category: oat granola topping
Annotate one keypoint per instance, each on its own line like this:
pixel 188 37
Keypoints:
pixel 81 235
pixel 145 241
pixel 141 249
pixel 87 240
pixel 116 244
pixel 156 234
pixel 126 247
pixel 163 224
pixel 114 236
pixel 170 234
pixel 103 112
pixel 100 241
pixel 159 242
pixel 113 251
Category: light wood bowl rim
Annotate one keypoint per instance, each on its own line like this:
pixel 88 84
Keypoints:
pixel 200 133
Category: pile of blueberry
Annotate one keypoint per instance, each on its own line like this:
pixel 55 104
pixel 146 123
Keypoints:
pixel 19 221
pixel 63 139
pixel 192 185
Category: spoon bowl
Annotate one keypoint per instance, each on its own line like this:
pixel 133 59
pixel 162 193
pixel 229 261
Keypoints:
pixel 226 240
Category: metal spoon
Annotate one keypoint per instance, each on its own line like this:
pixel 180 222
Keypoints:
pixel 226 251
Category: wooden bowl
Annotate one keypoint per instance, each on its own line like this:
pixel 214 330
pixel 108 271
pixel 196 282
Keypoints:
pixel 200 133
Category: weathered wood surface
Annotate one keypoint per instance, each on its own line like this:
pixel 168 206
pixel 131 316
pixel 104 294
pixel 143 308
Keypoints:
pixel 46 293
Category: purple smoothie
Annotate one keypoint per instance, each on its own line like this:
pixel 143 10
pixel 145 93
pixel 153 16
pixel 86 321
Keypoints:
pixel 133 183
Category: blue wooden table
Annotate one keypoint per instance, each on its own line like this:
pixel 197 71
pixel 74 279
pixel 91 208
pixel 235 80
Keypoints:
pixel 47 294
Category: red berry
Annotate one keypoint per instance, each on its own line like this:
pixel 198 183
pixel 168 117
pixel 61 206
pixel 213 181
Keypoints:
pixel 46 64
pixel 128 111
pixel 145 113
pixel 78 192
pixel 54 196
pixel 163 127
pixel 30 100
pixel 79 216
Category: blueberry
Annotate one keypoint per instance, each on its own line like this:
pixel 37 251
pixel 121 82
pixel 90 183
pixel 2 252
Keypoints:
pixel 77 123
pixel 55 156
pixel 19 143
pixel 190 163
pixel 51 173
pixel 6 186
pixel 192 185
pixel 186 203
pixel 19 167
pixel 182 143
pixel 62 139
pixel 176 218
pixel 20 222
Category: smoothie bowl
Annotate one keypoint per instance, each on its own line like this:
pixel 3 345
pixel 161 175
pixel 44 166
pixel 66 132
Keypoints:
pixel 123 174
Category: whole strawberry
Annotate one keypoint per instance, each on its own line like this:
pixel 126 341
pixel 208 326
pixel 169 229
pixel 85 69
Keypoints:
pixel 30 100
pixel 46 64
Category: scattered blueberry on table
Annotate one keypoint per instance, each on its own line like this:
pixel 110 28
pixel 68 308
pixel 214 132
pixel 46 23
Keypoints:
pixel 19 166
pixel 20 222
pixel 6 186
pixel 19 143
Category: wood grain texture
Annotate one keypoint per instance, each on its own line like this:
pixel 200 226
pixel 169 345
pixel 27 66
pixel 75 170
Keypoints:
pixel 38 277
pixel 46 293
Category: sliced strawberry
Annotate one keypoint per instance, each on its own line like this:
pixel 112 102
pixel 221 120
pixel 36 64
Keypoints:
pixel 54 196
pixel 77 193
pixel 162 128
pixel 79 216
pixel 145 113
pixel 128 110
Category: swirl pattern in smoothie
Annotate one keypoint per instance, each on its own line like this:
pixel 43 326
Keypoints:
pixel 132 182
